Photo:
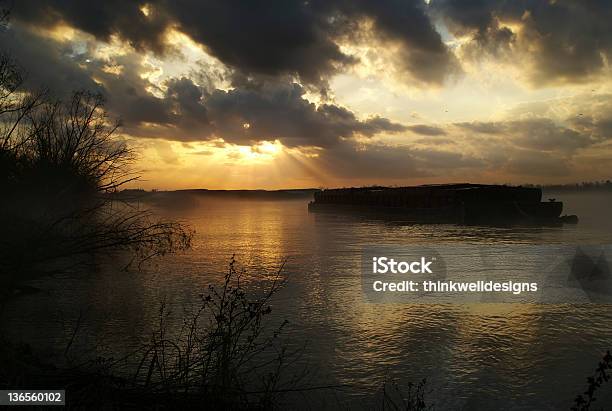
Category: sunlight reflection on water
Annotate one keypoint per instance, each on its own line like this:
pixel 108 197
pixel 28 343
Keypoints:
pixel 502 356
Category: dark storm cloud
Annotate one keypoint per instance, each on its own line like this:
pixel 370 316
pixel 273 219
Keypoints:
pixel 100 18
pixel 540 134
pixel 255 111
pixel 349 159
pixel 273 37
pixel 45 62
pixel 423 57
pixel 279 111
pixel 128 98
pixel 272 111
pixel 426 130
pixel 565 40
pixel 276 37
pixel 62 69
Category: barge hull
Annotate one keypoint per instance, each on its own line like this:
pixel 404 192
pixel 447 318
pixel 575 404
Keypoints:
pixel 451 203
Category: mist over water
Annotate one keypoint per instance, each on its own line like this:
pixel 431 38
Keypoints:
pixel 492 356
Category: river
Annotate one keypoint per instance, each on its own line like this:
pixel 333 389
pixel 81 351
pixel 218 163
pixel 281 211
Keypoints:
pixel 474 356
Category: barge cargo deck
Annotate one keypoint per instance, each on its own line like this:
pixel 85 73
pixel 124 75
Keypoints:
pixel 446 203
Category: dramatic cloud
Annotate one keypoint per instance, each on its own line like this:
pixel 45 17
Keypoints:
pixel 421 57
pixel 559 41
pixel 99 18
pixel 280 111
pixel 268 112
pixel 46 62
pixel 556 40
pixel 271 38
pixel 181 110
pixel 334 82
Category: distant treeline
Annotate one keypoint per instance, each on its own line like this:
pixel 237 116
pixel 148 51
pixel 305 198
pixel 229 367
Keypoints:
pixel 140 194
pixel 603 185
pixel 137 193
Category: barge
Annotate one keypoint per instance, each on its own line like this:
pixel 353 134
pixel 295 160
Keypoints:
pixel 446 203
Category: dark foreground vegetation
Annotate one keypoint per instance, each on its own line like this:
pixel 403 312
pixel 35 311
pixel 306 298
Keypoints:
pixel 60 161
pixel 588 400
pixel 222 356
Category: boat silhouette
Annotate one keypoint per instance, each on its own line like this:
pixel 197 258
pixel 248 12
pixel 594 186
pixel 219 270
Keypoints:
pixel 446 203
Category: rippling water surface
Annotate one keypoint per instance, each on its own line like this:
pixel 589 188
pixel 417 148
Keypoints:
pixel 479 356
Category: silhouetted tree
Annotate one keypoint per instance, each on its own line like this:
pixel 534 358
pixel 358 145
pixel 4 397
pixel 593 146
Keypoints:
pixel 59 162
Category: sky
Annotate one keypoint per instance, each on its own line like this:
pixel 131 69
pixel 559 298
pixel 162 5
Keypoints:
pixel 249 94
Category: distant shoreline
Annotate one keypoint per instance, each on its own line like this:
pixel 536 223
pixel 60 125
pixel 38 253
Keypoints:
pixel 307 192
pixel 139 194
